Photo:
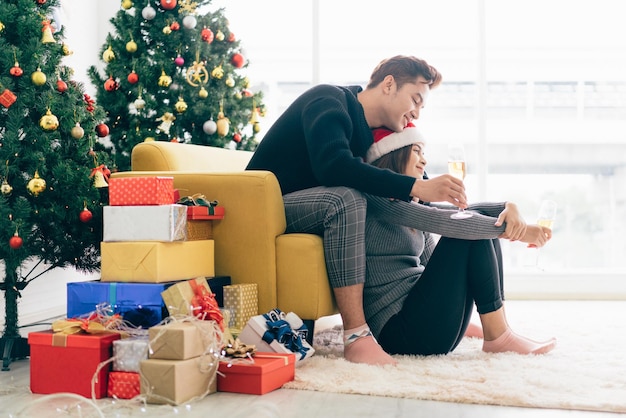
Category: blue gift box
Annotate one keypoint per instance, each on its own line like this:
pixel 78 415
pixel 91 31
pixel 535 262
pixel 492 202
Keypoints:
pixel 138 303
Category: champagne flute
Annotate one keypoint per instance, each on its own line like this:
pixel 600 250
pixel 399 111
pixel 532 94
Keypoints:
pixel 457 168
pixel 545 218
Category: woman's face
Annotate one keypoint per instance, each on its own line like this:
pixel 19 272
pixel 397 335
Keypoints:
pixel 416 164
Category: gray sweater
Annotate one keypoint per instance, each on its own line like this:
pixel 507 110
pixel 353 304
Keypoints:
pixel 398 244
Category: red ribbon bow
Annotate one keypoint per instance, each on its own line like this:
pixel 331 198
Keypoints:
pixel 204 305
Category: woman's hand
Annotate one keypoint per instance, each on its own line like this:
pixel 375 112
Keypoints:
pixel 515 224
pixel 537 235
pixel 444 188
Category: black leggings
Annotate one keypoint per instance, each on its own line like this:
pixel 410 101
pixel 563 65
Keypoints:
pixel 436 312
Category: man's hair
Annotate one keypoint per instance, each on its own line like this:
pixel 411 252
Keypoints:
pixel 395 160
pixel 404 69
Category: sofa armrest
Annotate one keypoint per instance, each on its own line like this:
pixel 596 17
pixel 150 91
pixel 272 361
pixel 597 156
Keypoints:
pixel 245 240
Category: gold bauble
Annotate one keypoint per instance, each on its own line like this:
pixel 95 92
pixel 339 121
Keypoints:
pixel 167 29
pixel 230 81
pixel 108 55
pixel 49 122
pixel 218 72
pixel 38 77
pixel 66 50
pixel 164 80
pixel 180 105
pixel 77 131
pixel 219 35
pixel 256 127
pixel 246 82
pixel 203 94
pixel 131 46
pixel 1 26
pixel 36 185
pixel 127 4
pixel 223 124
pixel 149 139
pixel 6 188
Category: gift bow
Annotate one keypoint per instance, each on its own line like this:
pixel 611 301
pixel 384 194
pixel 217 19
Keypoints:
pixel 204 305
pixel 92 324
pixel 280 330
pixel 198 200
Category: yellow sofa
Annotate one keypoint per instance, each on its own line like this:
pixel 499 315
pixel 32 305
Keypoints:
pixel 250 242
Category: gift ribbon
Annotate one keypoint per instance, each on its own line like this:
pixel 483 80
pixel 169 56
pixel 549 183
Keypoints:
pixel 281 331
pixel 199 200
pixel 204 305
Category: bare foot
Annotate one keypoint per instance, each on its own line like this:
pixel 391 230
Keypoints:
pixel 509 341
pixel 367 350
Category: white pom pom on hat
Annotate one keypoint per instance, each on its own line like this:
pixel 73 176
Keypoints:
pixel 386 140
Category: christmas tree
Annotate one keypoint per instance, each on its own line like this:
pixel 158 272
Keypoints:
pixel 53 174
pixel 174 74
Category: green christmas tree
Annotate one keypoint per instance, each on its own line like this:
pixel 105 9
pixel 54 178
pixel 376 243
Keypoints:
pixel 173 74
pixel 53 178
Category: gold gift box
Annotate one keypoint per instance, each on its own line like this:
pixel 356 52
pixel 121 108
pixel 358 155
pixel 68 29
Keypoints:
pixel 243 302
pixel 178 297
pixel 199 230
pixel 156 262
pixel 178 381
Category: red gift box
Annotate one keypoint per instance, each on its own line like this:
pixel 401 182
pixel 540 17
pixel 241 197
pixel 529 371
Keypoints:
pixel 123 385
pixel 67 363
pixel 268 372
pixel 138 191
pixel 205 212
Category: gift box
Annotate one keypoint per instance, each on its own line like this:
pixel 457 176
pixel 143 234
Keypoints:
pixel 123 385
pixel 139 191
pixel 139 303
pixel 191 297
pixel 205 212
pixel 67 363
pixel 199 230
pixel 243 302
pixel 128 352
pixel 145 223
pixel 156 262
pixel 178 381
pixel 182 340
pixel 279 333
pixel 268 372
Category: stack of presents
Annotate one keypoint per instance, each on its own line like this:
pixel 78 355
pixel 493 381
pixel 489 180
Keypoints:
pixel 159 324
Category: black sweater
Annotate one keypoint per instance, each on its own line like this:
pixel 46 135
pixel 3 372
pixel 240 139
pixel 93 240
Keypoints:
pixel 321 140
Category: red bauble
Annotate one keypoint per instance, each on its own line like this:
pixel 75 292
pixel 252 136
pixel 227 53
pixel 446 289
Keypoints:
pixel 41 1
pixel 237 60
pixel 16 71
pixel 110 84
pixel 61 86
pixel 85 215
pixel 133 77
pixel 237 137
pixel 231 37
pixel 207 35
pixel 102 130
pixel 16 242
pixel 175 26
pixel 168 4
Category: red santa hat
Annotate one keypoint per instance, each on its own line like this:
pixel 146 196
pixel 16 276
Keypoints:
pixel 386 140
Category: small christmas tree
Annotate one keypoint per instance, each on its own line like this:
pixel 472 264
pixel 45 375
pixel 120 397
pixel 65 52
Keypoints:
pixel 53 178
pixel 173 74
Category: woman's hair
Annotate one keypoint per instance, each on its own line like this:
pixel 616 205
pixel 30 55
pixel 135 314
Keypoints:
pixel 395 160
pixel 404 69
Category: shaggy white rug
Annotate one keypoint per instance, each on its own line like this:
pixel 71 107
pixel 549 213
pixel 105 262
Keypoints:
pixel 586 371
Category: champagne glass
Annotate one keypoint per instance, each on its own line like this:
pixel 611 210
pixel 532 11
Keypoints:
pixel 545 218
pixel 458 168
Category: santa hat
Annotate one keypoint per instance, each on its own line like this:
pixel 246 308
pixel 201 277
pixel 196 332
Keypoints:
pixel 386 140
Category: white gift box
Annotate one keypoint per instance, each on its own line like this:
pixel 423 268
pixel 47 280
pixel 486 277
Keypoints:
pixel 128 352
pixel 145 223
pixel 253 332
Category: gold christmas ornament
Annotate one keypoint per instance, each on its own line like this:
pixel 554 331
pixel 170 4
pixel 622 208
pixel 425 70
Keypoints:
pixel 230 81
pixel 219 35
pixel 46 36
pixel 108 55
pixel 180 105
pixel 98 180
pixel 127 4
pixel 38 77
pixel 49 122
pixel 77 131
pixel 167 29
pixel 149 139
pixel 203 94
pixel 6 188
pixel 197 74
pixel 131 46
pixel 223 124
pixel 36 185
pixel 139 103
pixel 218 72
pixel 164 80
pixel 66 50
pixel 166 120
pixel 1 26
pixel 246 82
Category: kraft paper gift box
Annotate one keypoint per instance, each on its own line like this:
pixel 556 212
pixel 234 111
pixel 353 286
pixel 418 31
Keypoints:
pixel 145 223
pixel 123 385
pixel 269 372
pixel 178 381
pixel 156 262
pixel 128 353
pixel 139 303
pixel 178 299
pixel 278 333
pixel 139 191
pixel 199 230
pixel 182 340
pixel 67 363
pixel 243 302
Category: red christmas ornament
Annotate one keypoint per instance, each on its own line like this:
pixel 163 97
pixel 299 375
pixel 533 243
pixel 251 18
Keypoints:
pixel 168 4
pixel 237 137
pixel 179 61
pixel 61 86
pixel 85 215
pixel 41 1
pixel 16 241
pixel 102 130
pixel 133 77
pixel 231 37
pixel 16 70
pixel 90 103
pixel 207 35
pixel 110 84
pixel 175 26
pixel 237 60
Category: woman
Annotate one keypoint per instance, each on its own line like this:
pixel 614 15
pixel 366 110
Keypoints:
pixel 419 293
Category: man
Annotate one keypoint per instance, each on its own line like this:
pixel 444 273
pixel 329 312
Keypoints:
pixel 317 148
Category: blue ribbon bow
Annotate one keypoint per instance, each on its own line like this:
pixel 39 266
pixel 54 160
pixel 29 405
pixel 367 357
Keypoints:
pixel 280 330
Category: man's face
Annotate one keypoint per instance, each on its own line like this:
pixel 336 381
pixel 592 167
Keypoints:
pixel 405 103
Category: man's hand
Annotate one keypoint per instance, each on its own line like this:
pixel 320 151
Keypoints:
pixel 515 224
pixel 444 188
